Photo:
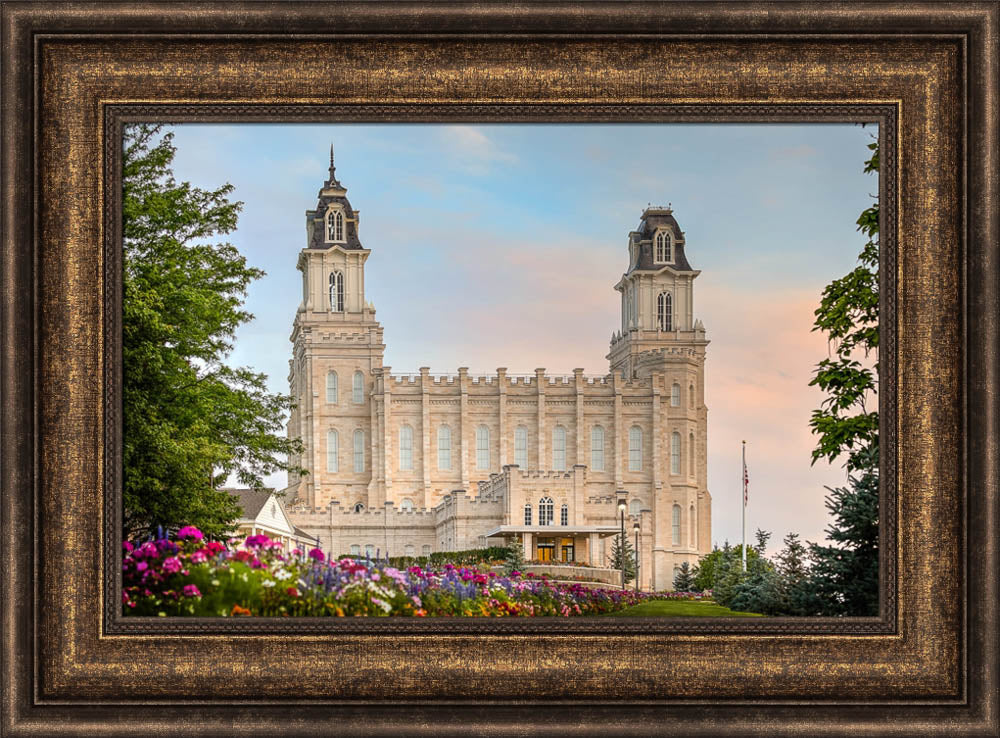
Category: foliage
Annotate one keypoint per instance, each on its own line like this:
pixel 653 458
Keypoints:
pixel 684 579
pixel 514 558
pixel 189 420
pixel 844 576
pixel 467 557
pixel 848 314
pixel 187 575
pixel 622 548
pixel 717 565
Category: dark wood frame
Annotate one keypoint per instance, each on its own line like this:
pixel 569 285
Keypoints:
pixel 74 73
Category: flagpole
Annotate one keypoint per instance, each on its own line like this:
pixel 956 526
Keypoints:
pixel 744 480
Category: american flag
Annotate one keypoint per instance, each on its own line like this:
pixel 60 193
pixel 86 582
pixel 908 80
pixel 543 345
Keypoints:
pixel 746 483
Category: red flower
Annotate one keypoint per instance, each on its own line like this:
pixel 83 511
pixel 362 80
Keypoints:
pixel 292 592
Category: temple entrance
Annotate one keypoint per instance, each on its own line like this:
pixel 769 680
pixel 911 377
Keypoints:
pixel 546 550
pixel 567 550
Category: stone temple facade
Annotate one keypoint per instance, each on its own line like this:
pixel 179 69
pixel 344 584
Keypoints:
pixel 417 463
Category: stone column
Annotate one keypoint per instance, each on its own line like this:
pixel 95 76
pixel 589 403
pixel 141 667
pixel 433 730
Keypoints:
pixel 540 388
pixel 425 432
pixel 593 553
pixel 502 412
pixel 529 546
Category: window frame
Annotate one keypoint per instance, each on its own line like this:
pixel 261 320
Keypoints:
pixel 527 513
pixel 359 451
pixel 332 388
pixel 336 287
pixel 406 447
pixel 675 525
pixel 663 238
pixel 564 514
pixel 675 395
pixel 521 453
pixel 358 388
pixel 483 447
pixel 336 226
pixel 444 451
pixel 559 462
pixel 676 451
pixel 635 448
pixel 546 510
pixel 332 451
pixel 665 311
pixel 594 432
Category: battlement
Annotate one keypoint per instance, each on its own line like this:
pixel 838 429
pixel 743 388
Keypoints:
pixel 508 381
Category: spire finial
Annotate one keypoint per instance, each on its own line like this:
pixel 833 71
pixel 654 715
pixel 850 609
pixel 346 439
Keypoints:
pixel 331 154
pixel 333 176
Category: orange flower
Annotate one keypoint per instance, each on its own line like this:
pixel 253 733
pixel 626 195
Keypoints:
pixel 237 610
pixel 421 613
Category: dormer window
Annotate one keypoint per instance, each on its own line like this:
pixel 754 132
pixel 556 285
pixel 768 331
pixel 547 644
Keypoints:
pixel 335 226
pixel 664 248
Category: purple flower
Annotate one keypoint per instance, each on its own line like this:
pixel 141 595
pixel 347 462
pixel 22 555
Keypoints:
pixel 257 541
pixel 191 590
pixel 172 565
pixel 189 531
pixel 316 554
pixel 127 547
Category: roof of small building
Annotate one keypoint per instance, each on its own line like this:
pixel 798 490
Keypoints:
pixel 652 220
pixel 302 534
pixel 336 194
pixel 251 501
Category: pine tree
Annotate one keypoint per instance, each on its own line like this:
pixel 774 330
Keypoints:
pixel 189 419
pixel 618 550
pixel 514 560
pixel 684 579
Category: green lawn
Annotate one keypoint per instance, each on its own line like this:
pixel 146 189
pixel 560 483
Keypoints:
pixel 682 608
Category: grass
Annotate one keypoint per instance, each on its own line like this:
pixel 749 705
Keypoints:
pixel 682 608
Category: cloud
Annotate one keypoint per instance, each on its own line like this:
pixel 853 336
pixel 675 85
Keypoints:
pixel 473 150
pixel 786 153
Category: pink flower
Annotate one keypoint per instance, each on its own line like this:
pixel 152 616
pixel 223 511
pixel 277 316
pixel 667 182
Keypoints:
pixel 214 547
pixel 172 565
pixel 257 541
pixel 191 590
pixel 198 556
pixel 189 531
pixel 317 555
pixel 148 549
pixel 127 547
pixel 141 566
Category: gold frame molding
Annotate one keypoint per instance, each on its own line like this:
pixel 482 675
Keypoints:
pixel 74 73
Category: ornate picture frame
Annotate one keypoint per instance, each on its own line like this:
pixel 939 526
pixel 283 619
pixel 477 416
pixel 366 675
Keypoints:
pixel 74 75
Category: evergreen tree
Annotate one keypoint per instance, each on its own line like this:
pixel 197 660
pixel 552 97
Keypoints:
pixel 620 549
pixel 514 560
pixel 189 419
pixel 795 595
pixel 684 579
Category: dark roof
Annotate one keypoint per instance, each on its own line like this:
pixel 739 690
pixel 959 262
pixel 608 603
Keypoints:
pixel 317 236
pixel 652 220
pixel 251 501
pixel 302 534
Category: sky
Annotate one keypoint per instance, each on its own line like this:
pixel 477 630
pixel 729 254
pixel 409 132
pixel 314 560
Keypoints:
pixel 499 245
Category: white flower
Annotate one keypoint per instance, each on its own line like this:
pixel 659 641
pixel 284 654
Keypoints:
pixel 267 583
pixel 282 574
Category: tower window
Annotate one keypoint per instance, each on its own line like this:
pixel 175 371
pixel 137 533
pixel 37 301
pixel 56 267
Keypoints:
pixel 564 514
pixel 335 226
pixel 665 311
pixel 482 447
pixel 405 448
pixel 635 448
pixel 663 248
pixel 675 526
pixel 597 448
pixel 521 446
pixel 358 390
pixel 406 505
pixel 359 451
pixel 545 511
pixel 332 451
pixel 692 541
pixel 675 395
pixel 558 449
pixel 336 292
pixel 691 454
pixel 675 453
pixel 331 387
pixel 444 447
pixel 527 514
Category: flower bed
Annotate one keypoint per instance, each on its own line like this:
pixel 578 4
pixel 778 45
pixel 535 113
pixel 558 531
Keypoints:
pixel 187 575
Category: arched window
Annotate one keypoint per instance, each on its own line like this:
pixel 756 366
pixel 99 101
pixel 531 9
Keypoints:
pixel 545 511
pixel 675 453
pixel 692 540
pixel 409 550
pixel 663 247
pixel 425 550
pixel 369 550
pixel 405 448
pixel 558 449
pixel 359 507
pixel 635 448
pixel 355 549
pixel 335 226
pixel 336 292
pixel 675 395
pixel 405 505
pixel 444 447
pixel 359 451
pixel 331 387
pixel 597 448
pixel 358 390
pixel 527 514
pixel 675 526
pixel 665 311
pixel 691 454
pixel 482 447
pixel 634 507
pixel 332 451
pixel 564 514
pixel 521 446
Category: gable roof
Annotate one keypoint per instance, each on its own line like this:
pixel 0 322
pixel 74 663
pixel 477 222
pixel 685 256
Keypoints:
pixel 251 501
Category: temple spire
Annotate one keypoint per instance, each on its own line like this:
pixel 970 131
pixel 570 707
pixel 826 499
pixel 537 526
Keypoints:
pixel 332 180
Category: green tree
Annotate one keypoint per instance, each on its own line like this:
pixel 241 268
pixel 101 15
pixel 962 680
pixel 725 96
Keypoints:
pixel 845 575
pixel 514 558
pixel 189 419
pixel 724 567
pixel 620 549
pixel 795 595
pixel 684 579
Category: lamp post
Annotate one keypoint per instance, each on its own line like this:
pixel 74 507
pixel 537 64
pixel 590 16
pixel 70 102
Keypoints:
pixel 622 495
pixel 635 527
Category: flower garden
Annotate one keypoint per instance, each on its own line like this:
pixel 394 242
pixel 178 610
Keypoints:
pixel 187 575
